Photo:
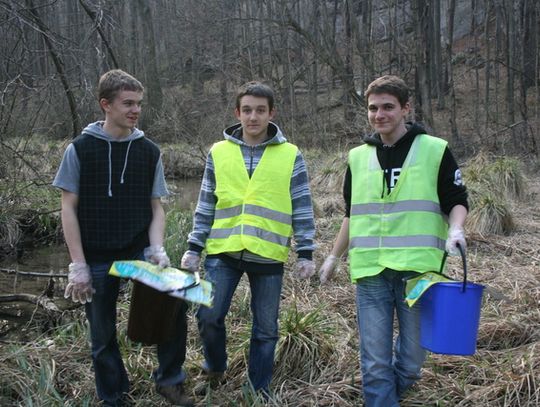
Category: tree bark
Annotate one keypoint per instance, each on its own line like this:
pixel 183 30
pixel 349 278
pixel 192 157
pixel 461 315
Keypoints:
pixel 423 107
pixel 152 82
pixel 59 65
pixel 97 23
pixel 40 300
pixel 449 55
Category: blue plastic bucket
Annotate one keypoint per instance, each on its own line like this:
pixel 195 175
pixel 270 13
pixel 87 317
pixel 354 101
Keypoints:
pixel 450 316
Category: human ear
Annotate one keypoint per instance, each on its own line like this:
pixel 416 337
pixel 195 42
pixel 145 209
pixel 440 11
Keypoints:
pixel 104 104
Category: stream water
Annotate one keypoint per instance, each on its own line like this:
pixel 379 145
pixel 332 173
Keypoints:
pixel 15 316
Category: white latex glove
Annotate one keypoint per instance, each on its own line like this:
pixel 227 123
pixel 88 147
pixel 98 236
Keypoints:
pixel 328 268
pixel 305 268
pixel 191 260
pixel 456 236
pixel 156 254
pixel 79 286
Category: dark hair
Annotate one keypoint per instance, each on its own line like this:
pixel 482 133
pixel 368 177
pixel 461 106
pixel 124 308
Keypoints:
pixel 113 82
pixel 390 84
pixel 257 89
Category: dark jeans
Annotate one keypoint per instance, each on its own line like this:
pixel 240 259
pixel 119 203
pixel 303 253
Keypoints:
pixel 265 297
pixel 111 376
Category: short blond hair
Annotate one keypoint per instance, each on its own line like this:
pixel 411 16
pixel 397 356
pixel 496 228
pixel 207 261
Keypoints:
pixel 115 81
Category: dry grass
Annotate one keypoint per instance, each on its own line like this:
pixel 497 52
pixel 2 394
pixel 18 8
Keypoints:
pixel 317 356
pixel 495 184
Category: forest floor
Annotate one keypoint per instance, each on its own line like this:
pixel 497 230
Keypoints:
pixel 317 355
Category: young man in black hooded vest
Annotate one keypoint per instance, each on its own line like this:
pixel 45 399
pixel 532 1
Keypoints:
pixel 112 180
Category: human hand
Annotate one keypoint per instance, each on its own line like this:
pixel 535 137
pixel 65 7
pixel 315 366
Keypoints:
pixel 328 268
pixel 191 261
pixel 156 254
pixel 305 268
pixel 79 286
pixel 456 236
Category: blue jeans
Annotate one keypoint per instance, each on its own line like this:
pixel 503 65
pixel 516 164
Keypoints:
pixel 265 297
pixel 388 368
pixel 110 374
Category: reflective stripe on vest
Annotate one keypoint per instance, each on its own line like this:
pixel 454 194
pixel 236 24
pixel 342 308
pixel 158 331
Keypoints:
pixel 254 213
pixel 403 230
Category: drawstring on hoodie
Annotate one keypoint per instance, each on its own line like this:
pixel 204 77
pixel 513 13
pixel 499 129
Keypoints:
pixel 110 168
pixel 385 181
pixel 110 165
pixel 125 163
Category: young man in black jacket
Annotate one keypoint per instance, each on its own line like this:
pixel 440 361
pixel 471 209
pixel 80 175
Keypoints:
pixel 405 204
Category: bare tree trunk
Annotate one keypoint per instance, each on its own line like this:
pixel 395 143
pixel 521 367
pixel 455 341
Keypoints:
pixel 498 58
pixel 510 58
pixel 529 24
pixel 536 135
pixel 97 23
pixel 474 32
pixel 334 25
pixel 348 85
pixel 59 65
pixel 226 36
pixel 489 64
pixel 314 77
pixel 437 61
pixel 365 46
pixel 155 93
pixel 449 56
pixel 423 107
pixel 529 41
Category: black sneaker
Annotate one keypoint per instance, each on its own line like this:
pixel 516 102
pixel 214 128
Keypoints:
pixel 213 381
pixel 175 395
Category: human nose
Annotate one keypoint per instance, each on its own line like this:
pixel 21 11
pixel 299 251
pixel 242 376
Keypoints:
pixel 252 115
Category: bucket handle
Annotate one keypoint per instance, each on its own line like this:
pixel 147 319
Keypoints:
pixel 463 259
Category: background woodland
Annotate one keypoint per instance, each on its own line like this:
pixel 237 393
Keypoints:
pixel 473 65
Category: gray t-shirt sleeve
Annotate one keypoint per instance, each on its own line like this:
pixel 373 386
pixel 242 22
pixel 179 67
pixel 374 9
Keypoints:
pixel 67 177
pixel 160 186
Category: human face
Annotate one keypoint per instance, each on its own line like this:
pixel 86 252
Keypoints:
pixel 122 113
pixel 387 116
pixel 254 115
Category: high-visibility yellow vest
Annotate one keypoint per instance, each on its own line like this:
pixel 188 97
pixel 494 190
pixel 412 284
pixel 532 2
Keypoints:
pixel 254 213
pixel 403 230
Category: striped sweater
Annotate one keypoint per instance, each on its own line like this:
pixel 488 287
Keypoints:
pixel 302 209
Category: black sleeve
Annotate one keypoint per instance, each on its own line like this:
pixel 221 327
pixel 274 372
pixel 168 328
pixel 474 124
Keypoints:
pixel 450 186
pixel 347 192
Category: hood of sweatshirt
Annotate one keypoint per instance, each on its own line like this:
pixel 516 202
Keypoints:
pixel 413 129
pixel 96 130
pixel 274 136
pixel 392 157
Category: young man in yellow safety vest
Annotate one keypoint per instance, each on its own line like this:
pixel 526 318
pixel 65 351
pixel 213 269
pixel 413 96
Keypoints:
pixel 402 189
pixel 254 198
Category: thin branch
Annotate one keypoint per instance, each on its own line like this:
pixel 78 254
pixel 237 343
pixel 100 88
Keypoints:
pixel 40 300
pixel 32 274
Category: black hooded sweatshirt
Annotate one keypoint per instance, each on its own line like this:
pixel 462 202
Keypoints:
pixel 450 187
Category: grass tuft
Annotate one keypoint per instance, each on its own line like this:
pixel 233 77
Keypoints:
pixel 490 215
